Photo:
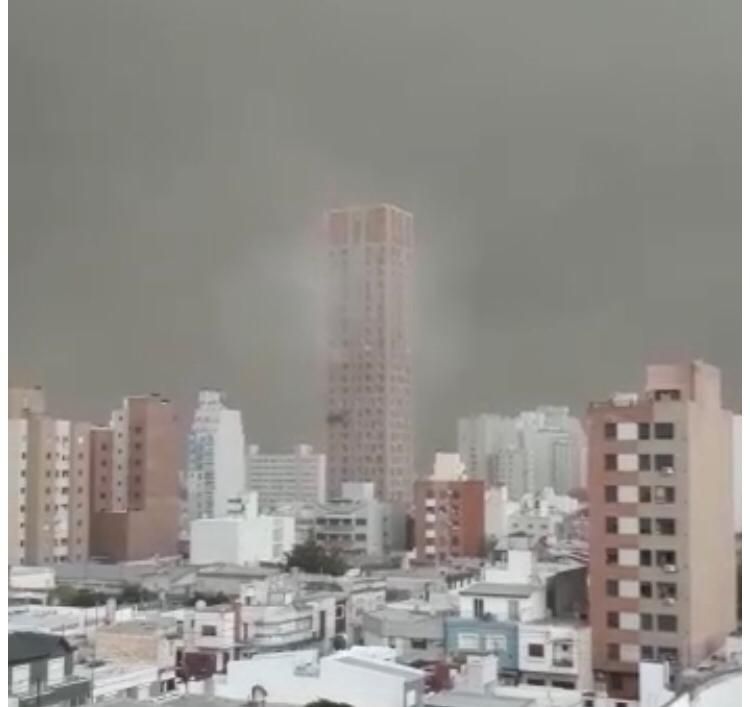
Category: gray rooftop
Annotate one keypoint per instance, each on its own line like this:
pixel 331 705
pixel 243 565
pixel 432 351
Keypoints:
pixel 497 589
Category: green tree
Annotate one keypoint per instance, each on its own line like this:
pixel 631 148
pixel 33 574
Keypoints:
pixel 313 558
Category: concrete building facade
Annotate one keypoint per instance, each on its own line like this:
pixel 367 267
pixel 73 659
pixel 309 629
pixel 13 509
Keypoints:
pixel 662 583
pixel 215 469
pixel 369 423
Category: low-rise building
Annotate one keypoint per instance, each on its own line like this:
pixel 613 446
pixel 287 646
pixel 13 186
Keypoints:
pixel 30 584
pixel 415 634
pixel 40 671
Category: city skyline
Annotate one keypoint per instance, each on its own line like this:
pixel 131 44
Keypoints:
pixel 555 218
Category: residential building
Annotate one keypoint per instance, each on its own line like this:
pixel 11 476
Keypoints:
pixel 662 575
pixel 414 633
pixel 215 457
pixel 48 483
pixel 535 449
pixel 352 524
pixel 124 681
pixel 542 516
pixel 242 537
pixel 369 423
pixel 40 671
pixel 737 471
pixel 280 479
pixel 448 515
pixel 30 584
pixel 304 515
pixel 135 482
pixel 497 510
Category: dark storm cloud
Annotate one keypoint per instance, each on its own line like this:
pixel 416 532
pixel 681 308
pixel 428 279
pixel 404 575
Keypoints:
pixel 573 168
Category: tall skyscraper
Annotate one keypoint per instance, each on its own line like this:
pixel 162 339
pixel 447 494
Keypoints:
pixel 215 457
pixel 48 483
pixel 135 482
pixel 662 574
pixel 369 423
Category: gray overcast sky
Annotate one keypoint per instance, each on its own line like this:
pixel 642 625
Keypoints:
pixel 573 168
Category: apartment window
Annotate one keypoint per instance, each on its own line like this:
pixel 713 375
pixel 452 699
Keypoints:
pixel 610 462
pixel 610 494
pixel 646 590
pixel 664 430
pixel 610 430
pixel 647 652
pixel 208 630
pixel 419 643
pixel 665 526
pixel 644 526
pixel 611 587
pixel 613 619
pixel 666 557
pixel 664 494
pixel 645 558
pixel 644 462
pixel 478 608
pixel 644 430
pixel 611 556
pixel 666 622
pixel 647 622
pixel 666 590
pixel 610 524
pixel 666 654
pixel 663 461
pixel 536 650
pixel 644 494
pixel 613 652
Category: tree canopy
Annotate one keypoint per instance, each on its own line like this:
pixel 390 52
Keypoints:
pixel 315 559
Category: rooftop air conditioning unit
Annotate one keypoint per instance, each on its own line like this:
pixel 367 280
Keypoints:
pixel 669 568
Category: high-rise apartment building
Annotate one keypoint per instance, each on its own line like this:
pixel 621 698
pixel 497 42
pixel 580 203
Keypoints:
pixel 48 483
pixel 662 582
pixel 448 512
pixel 369 423
pixel 135 482
pixel 537 449
pixel 215 457
pixel 281 479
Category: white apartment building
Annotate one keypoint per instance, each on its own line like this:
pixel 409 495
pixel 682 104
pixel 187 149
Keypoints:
pixel 556 654
pixel 280 479
pixel 215 457
pixel 535 449
pixel 353 524
pixel 243 537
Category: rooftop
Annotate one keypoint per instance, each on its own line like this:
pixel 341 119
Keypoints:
pixel 399 671
pixel 497 589
pixel 25 646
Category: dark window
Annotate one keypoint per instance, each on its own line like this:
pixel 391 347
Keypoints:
pixel 666 590
pixel 665 526
pixel 612 588
pixel 647 652
pixel 664 494
pixel 644 494
pixel 610 462
pixel 610 494
pixel 615 680
pixel 645 558
pixel 644 430
pixel 208 630
pixel 663 461
pixel 667 395
pixel 644 462
pixel 647 622
pixel 610 430
pixel 646 590
pixel 613 653
pixel 419 643
pixel 664 430
pixel 613 619
pixel 539 682
pixel 610 524
pixel 536 650
pixel 666 622
pixel 667 654
pixel 644 526
pixel 478 608
pixel 611 556
pixel 666 557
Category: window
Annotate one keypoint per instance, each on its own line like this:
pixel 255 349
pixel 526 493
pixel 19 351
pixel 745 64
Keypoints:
pixel 666 590
pixel 666 654
pixel 208 630
pixel 468 642
pixel 611 587
pixel 647 652
pixel 666 622
pixel 564 684
pixel 646 590
pixel 665 526
pixel 610 494
pixel 644 494
pixel 611 556
pixel 610 462
pixel 539 682
pixel 664 461
pixel 419 643
pixel 610 430
pixel 647 622
pixel 610 524
pixel 478 608
pixel 535 650
pixel 645 558
pixel 644 526
pixel 613 652
pixel 644 462
pixel 613 619
pixel 664 494
pixel 644 430
pixel 664 430
pixel 666 557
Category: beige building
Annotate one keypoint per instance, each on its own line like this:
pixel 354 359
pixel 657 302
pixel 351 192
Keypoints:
pixel 135 482
pixel 662 582
pixel 48 483
pixel 369 423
